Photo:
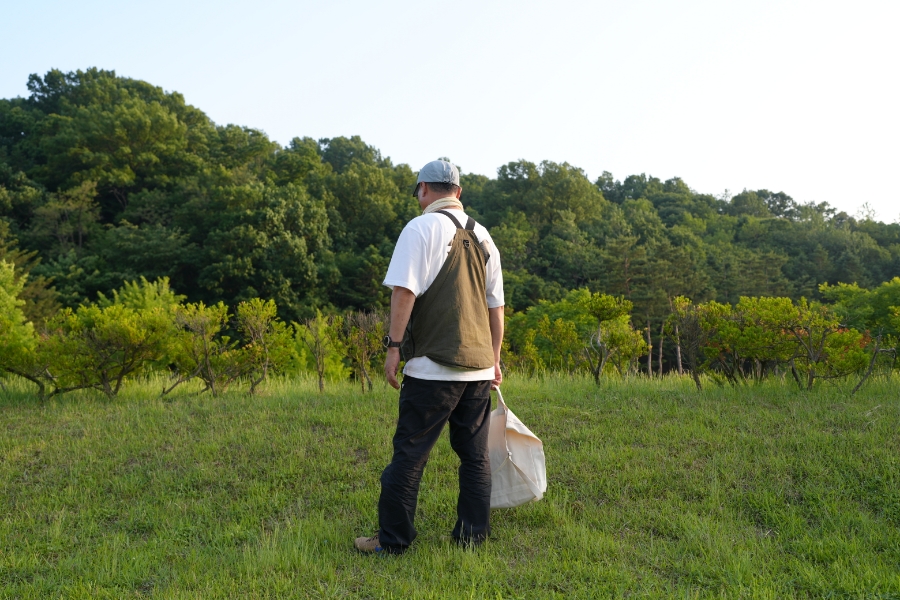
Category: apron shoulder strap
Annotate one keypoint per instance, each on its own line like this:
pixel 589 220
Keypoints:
pixel 470 226
pixel 452 218
pixel 470 222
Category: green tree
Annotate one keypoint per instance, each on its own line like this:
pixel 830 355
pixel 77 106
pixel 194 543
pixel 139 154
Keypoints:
pixel 864 309
pixel 527 359
pixel 144 295
pixel 268 249
pixel 750 338
pixel 318 339
pixel 202 350
pixel 68 219
pixel 18 344
pixel 362 336
pixel 615 342
pixel 268 343
pixel 694 326
pixel 123 134
pixel 40 300
pixel 98 348
pixel 564 342
pixel 825 349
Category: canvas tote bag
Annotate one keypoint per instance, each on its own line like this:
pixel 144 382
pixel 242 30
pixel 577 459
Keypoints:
pixel 518 471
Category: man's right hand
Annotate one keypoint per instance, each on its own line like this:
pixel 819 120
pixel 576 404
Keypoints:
pixel 498 377
pixel 391 364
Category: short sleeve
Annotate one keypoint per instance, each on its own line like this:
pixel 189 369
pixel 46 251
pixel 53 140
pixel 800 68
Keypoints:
pixel 408 266
pixel 493 276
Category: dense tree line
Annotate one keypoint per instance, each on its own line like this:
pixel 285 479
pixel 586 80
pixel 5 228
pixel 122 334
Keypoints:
pixel 105 179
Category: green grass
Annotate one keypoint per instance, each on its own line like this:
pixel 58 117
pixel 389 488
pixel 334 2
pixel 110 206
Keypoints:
pixel 655 490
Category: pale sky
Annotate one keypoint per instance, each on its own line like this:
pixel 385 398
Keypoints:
pixel 794 96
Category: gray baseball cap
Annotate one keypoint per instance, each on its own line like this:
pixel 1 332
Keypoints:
pixel 437 171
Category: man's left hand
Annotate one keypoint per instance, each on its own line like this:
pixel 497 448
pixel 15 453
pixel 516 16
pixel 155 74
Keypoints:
pixel 391 365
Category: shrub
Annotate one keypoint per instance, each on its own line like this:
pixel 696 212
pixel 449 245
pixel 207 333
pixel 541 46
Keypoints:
pixel 99 348
pixel 319 347
pixel 18 344
pixel 268 340
pixel 362 337
pixel 581 331
pixel 201 350
pixel 615 342
pixel 144 295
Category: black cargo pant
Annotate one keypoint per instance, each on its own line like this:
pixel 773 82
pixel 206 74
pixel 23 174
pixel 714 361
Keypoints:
pixel 424 408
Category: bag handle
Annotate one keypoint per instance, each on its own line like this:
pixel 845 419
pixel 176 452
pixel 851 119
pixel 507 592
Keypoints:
pixel 532 485
pixel 500 402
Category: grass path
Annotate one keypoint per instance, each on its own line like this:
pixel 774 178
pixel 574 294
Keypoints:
pixel 655 490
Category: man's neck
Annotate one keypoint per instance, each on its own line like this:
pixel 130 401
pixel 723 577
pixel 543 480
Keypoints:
pixel 447 202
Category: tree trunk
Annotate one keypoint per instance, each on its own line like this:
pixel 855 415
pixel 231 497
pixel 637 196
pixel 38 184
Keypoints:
pixel 678 351
pixel 181 379
pixel 796 375
pixel 320 365
pixel 649 352
pixel 662 333
pixel 368 379
pixel 871 365
pixel 696 377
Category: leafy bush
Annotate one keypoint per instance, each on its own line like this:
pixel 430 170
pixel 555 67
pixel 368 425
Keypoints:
pixel 144 326
pixel 201 350
pixel 362 337
pixel 751 339
pixel 268 341
pixel 144 295
pixel 761 336
pixel 99 347
pixel 583 331
pixel 615 343
pixel 18 345
pixel 320 349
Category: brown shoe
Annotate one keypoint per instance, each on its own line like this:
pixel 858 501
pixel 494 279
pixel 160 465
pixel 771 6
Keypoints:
pixel 368 544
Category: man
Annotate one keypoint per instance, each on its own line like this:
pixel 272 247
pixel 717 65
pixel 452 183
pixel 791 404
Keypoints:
pixel 447 308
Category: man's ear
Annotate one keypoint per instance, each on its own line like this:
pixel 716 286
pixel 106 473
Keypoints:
pixel 458 192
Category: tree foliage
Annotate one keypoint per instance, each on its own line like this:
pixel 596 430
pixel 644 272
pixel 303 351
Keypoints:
pixel 106 179
pixel 18 344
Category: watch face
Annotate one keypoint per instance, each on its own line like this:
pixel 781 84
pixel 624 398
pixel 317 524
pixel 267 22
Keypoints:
pixel 386 341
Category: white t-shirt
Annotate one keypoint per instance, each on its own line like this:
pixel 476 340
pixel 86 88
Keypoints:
pixel 420 253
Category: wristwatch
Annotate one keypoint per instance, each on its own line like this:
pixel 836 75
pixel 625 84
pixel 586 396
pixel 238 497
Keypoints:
pixel 389 343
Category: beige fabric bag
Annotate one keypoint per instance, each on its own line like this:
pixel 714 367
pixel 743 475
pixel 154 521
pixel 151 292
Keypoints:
pixel 518 470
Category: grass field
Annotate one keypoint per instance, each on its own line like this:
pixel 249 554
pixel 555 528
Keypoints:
pixel 655 490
